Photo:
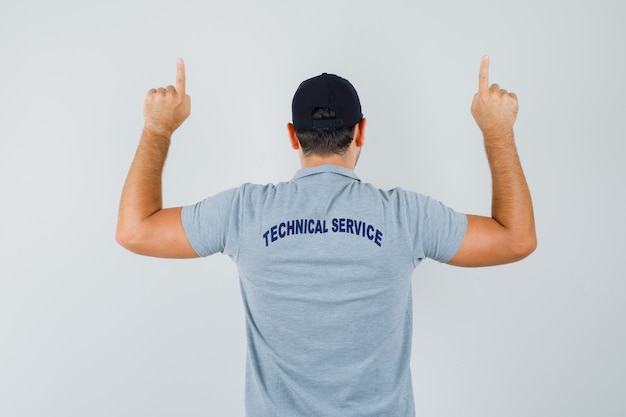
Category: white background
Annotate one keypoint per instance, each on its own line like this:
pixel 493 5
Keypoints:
pixel 88 329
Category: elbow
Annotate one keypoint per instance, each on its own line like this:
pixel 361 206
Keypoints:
pixel 524 246
pixel 126 238
pixel 122 237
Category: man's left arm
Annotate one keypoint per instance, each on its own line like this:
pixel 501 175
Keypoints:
pixel 143 225
pixel 509 234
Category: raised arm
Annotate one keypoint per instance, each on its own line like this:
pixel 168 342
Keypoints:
pixel 143 226
pixel 509 234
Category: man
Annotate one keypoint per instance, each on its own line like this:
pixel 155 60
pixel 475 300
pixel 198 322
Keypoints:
pixel 325 261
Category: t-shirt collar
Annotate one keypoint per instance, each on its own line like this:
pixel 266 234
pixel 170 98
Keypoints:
pixel 333 169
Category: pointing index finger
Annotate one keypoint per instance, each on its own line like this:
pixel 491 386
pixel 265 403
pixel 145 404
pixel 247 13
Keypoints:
pixel 483 74
pixel 180 76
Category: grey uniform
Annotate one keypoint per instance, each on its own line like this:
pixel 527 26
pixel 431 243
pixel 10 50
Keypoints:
pixel 325 264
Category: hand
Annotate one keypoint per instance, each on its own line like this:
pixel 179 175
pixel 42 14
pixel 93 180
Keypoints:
pixel 493 108
pixel 165 109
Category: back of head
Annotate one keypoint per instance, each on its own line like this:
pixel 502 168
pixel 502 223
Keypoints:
pixel 325 110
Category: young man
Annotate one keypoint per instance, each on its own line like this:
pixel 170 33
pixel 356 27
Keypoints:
pixel 325 261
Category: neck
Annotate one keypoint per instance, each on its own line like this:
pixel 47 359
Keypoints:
pixel 316 160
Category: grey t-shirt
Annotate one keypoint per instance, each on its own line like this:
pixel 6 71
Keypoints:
pixel 325 264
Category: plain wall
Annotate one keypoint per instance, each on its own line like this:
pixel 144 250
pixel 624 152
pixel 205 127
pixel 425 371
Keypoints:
pixel 89 329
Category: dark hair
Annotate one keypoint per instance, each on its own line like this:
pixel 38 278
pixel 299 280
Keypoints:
pixel 325 141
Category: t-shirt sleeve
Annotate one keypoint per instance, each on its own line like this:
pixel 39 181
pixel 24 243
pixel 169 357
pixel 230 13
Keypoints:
pixel 437 231
pixel 208 223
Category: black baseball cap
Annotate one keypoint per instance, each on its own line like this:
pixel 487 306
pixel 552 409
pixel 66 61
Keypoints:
pixel 326 90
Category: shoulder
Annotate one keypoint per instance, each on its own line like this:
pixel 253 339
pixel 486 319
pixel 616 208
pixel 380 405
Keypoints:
pixel 401 196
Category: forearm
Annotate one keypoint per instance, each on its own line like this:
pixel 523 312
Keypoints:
pixel 142 192
pixel 511 201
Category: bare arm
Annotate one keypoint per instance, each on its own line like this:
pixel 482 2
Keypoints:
pixel 509 234
pixel 143 226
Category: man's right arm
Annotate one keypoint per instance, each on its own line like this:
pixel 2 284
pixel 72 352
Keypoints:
pixel 509 234
pixel 143 225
